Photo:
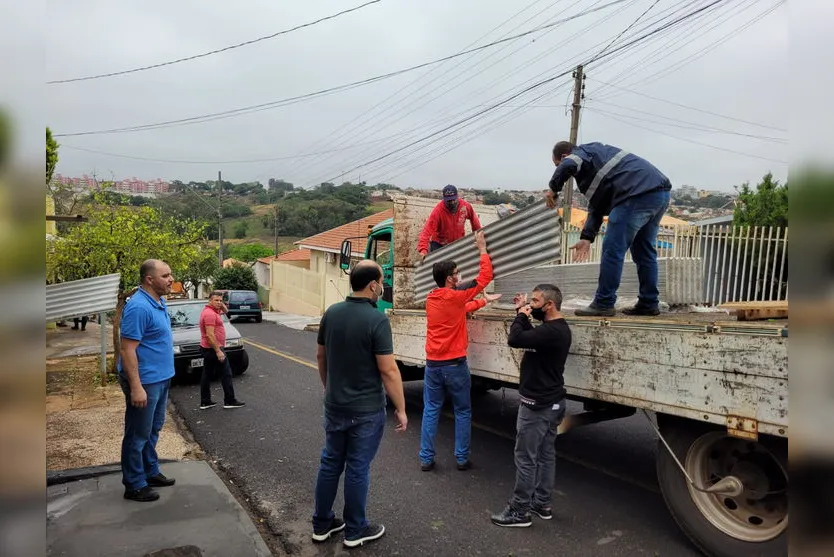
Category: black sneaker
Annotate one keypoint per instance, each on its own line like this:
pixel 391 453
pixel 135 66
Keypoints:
pixel 464 466
pixel 511 518
pixel 427 466
pixel 545 513
pixel 160 480
pixel 234 404
pixel 206 405
pixel 336 525
pixel 142 495
pixel 642 310
pixel 371 533
pixel 594 311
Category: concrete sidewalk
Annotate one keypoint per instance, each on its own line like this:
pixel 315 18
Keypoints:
pixel 198 517
pixel 291 320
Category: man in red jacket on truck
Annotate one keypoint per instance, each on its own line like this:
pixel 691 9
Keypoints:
pixel 447 222
pixel 446 343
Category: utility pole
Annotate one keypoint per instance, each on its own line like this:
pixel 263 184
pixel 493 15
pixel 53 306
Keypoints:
pixel 578 95
pixel 219 218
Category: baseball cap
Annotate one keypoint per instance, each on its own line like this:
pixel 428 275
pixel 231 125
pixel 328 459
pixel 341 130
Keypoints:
pixel 450 193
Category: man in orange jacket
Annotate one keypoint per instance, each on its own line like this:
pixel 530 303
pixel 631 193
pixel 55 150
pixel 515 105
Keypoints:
pixel 447 370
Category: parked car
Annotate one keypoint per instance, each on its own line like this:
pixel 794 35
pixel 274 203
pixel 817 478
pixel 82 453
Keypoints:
pixel 243 304
pixel 185 324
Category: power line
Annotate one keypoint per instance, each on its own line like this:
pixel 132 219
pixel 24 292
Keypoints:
pixel 689 107
pixel 505 101
pixel 343 130
pixel 445 88
pixel 237 161
pixel 209 53
pixel 633 23
pixel 322 92
pixel 490 86
pixel 735 32
pixel 671 46
pixel 688 126
pixel 458 123
pixel 725 149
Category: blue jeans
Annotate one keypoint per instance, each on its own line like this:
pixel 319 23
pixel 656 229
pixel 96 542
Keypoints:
pixel 351 442
pixel 632 224
pixel 456 381
pixel 142 427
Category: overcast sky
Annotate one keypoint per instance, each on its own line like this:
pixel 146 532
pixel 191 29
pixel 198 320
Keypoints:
pixel 740 80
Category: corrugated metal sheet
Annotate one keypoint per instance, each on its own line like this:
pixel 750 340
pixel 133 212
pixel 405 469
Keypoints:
pixel 684 281
pixel 680 280
pixel 82 297
pixel 526 239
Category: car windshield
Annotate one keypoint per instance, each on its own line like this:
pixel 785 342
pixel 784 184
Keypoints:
pixel 187 315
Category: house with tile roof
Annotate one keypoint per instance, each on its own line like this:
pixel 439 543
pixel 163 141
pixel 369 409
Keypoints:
pixel 311 288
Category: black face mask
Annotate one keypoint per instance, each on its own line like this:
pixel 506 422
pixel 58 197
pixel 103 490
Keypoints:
pixel 537 313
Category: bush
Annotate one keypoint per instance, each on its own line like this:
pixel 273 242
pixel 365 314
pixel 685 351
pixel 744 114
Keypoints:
pixel 236 277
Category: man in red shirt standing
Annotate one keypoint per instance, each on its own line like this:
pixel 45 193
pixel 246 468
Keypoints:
pixel 212 342
pixel 447 222
pixel 447 370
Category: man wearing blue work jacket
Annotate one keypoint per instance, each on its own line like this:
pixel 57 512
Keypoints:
pixel 634 195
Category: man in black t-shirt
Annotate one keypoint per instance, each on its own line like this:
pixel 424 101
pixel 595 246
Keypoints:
pixel 355 358
pixel 541 403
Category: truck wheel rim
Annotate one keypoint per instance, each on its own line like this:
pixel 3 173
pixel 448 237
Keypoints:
pixel 760 513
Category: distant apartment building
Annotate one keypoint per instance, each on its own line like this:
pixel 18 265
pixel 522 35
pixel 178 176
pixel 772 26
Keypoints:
pixel 129 186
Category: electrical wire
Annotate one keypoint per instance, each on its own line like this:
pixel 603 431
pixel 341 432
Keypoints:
pixel 322 92
pixel 338 133
pixel 689 125
pixel 608 54
pixel 445 88
pixel 633 23
pixel 506 101
pixel 725 149
pixel 211 52
pixel 490 86
pixel 689 107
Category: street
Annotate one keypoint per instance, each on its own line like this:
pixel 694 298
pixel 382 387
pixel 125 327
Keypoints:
pixel 606 501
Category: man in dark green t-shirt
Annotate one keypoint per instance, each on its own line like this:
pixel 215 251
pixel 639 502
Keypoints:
pixel 355 358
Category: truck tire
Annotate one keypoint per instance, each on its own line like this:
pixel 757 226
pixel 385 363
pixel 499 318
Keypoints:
pixel 754 523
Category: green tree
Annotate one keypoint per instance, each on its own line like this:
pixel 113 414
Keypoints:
pixel 767 205
pixel 200 269
pixel 236 277
pixel 248 252
pixel 51 155
pixel 117 239
pixel 241 228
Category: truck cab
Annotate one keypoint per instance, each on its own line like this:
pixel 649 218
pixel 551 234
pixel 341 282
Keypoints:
pixel 379 247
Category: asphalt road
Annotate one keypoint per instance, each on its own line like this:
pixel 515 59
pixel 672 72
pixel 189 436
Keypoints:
pixel 606 501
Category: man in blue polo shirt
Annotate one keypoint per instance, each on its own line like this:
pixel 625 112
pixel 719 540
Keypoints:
pixel 146 366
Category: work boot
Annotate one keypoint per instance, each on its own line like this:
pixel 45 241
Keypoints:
pixel 642 310
pixel 161 480
pixel 595 311
pixel 143 495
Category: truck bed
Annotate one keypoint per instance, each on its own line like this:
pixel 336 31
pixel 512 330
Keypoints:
pixel 702 366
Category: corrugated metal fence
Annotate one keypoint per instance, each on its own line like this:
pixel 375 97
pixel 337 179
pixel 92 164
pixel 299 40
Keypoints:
pixel 739 263
pixel 82 297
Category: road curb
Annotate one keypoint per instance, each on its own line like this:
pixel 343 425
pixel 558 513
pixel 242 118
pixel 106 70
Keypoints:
pixel 57 477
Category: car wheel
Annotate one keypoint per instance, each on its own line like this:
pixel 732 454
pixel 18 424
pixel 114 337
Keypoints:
pixel 244 364
pixel 259 319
